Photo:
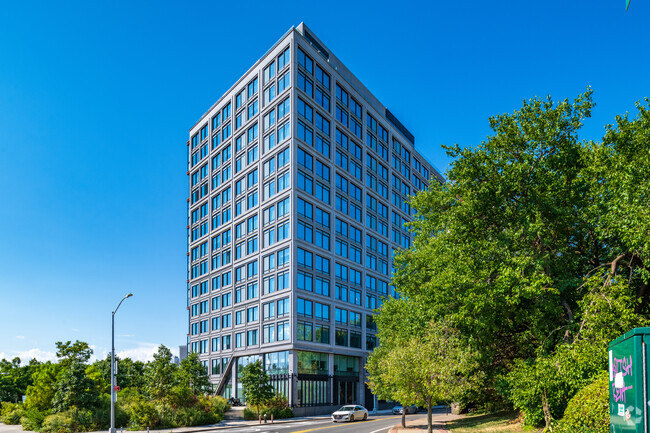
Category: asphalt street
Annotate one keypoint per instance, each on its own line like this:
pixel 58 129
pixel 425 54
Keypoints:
pixel 374 424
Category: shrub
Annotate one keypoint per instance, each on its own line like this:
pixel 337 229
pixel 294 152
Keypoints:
pixel 11 413
pixel 278 407
pixel 101 415
pixel 193 416
pixel 588 410
pixel 181 397
pixel 57 423
pixel 251 414
pixel 32 419
pixel 215 404
pixel 143 414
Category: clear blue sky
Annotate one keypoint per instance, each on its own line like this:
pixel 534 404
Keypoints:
pixel 96 99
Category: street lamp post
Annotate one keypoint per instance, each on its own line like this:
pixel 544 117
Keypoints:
pixel 112 429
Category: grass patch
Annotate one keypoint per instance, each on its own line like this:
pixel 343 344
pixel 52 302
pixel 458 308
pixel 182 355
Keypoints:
pixel 490 423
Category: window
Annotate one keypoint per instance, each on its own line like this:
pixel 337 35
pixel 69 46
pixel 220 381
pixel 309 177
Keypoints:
pixel 252 314
pixel 341 315
pixel 305 159
pixel 268 310
pixel 268 285
pixel 305 208
pixel 283 307
pixel 305 133
pixel 284 82
pixel 321 286
pixel 321 311
pixel 355 319
pixel 305 84
pixel 304 308
pixel 305 110
pixel 355 339
pixel 305 232
pixel 305 61
pixel 322 77
pixel 268 333
pixel 305 258
pixel 283 59
pixel 239 340
pixel 226 321
pixel 252 88
pixel 269 72
pixel 251 293
pixel 341 95
pixel 269 168
pixel 322 334
pixel 305 182
pixel 305 281
pixel 341 338
pixel 304 331
pixel 253 109
pixel 283 331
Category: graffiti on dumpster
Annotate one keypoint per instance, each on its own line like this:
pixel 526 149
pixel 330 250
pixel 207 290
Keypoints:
pixel 619 393
pixel 623 365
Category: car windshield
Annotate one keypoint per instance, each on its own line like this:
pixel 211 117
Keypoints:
pixel 346 409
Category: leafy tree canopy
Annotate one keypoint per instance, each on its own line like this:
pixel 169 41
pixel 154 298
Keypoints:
pixel 535 248
pixel 255 382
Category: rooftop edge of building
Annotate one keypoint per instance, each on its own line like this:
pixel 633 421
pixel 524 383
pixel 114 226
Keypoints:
pixel 304 31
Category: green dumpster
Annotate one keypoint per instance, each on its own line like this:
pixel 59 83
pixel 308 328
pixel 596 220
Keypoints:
pixel 628 379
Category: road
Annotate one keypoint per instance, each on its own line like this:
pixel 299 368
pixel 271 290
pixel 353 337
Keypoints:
pixel 374 424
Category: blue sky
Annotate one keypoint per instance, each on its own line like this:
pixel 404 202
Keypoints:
pixel 96 100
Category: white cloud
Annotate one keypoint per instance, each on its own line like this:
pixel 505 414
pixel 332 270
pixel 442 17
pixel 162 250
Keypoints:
pixel 20 337
pixel 143 352
pixel 27 355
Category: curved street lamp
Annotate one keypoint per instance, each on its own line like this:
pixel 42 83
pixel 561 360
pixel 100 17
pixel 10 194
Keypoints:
pixel 112 429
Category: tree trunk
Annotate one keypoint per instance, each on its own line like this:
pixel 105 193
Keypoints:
pixel 429 417
pixel 547 412
pixel 403 416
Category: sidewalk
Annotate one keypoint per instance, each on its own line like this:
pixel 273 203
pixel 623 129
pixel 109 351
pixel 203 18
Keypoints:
pixel 420 423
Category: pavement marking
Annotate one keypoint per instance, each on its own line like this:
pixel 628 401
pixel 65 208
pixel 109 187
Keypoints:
pixel 375 431
pixel 338 425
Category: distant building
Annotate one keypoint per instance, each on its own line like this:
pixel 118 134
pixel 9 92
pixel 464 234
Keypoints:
pixel 182 352
pixel 298 179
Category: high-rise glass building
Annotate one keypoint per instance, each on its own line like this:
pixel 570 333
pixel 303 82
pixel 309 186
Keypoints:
pixel 298 178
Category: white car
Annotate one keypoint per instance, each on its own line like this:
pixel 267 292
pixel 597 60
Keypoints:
pixel 350 413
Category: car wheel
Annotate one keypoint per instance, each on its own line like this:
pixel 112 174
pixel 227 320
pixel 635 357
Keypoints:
pixel 351 418
pixel 365 416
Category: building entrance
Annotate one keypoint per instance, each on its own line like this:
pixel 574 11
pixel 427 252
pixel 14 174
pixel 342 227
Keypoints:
pixel 345 392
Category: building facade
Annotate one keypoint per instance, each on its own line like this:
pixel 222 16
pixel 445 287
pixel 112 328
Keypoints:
pixel 298 178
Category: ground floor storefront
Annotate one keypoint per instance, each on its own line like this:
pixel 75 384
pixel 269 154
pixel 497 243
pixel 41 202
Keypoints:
pixel 312 382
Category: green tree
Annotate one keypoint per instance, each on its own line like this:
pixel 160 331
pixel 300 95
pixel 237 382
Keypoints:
pixel 255 382
pixel 531 228
pixel 41 393
pixel 160 377
pixel 194 375
pixel 69 352
pixel 130 374
pixel 15 378
pixel 421 371
pixel 620 182
pixel 74 388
